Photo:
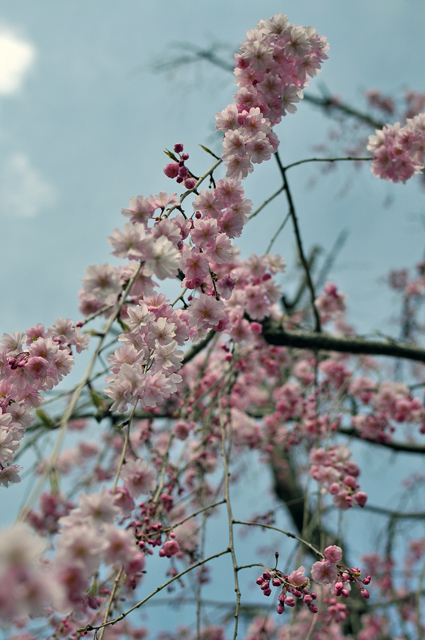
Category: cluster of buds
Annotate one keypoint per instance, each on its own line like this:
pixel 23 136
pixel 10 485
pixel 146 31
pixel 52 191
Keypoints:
pixel 326 572
pixel 294 585
pixel 147 534
pixel 150 534
pixel 347 577
pixel 177 169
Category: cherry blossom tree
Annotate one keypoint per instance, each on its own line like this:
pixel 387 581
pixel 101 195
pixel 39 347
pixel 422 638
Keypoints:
pixel 186 400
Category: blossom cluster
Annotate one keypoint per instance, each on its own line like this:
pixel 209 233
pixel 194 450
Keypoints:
pixel 274 65
pixel 87 537
pixel 328 571
pixel 399 152
pixel 330 303
pixel 178 169
pixel 155 329
pixel 201 251
pixel 388 401
pixel 336 473
pixel 295 584
pixel 31 362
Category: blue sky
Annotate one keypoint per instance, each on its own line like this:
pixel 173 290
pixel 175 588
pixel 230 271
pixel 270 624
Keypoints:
pixel 84 124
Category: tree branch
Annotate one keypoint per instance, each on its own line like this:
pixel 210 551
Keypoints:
pixel 303 259
pixel 275 334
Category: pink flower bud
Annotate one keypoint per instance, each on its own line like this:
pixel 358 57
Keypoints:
pixel 172 170
pixel 350 481
pixel 365 593
pixel 267 575
pixel 256 328
pixel 267 592
pixel 289 601
pixel 361 498
pixel 338 588
pixel 280 608
pixel 334 488
pixel 276 582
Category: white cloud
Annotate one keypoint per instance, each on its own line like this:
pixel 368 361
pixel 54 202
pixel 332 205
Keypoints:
pixel 23 191
pixel 16 58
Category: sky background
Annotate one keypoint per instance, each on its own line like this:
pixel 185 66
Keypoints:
pixel 84 121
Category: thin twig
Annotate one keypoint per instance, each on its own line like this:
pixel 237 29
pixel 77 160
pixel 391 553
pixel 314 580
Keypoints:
pixel 229 516
pixel 330 258
pixel 196 513
pixel 330 160
pixel 286 533
pixel 265 203
pixel 407 515
pixel 303 260
pixel 288 215
pixel 74 400
pixel 151 595
pixel 124 448
pixel 110 601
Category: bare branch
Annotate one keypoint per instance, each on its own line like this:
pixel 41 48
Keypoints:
pixel 276 335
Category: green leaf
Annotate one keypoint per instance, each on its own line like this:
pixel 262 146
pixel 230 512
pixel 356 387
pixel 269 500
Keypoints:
pixel 97 399
pixel 45 418
pixel 171 155
pixel 209 151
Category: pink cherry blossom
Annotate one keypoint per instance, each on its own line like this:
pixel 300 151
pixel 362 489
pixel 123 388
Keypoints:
pixel 324 572
pixel 139 477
